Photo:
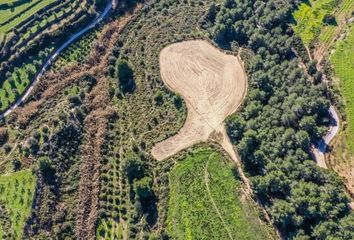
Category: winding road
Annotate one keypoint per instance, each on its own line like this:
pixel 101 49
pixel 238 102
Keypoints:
pixel 321 146
pixel 55 54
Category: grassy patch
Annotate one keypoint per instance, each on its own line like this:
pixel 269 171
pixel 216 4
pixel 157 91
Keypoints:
pixel 342 12
pixel 16 195
pixel 205 201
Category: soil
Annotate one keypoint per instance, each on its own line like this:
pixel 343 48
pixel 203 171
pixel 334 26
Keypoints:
pixel 212 83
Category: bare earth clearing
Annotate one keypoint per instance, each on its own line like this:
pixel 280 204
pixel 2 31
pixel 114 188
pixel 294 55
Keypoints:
pixel 212 83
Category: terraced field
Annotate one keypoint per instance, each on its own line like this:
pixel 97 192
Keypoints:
pixel 309 18
pixel 24 25
pixel 12 16
pixel 17 82
pixel 342 59
pixel 343 11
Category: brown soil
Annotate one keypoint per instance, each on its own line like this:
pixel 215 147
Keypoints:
pixel 212 83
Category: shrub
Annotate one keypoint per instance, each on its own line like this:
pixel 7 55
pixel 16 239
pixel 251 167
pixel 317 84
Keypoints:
pixel 142 187
pixel 132 166
pixel 329 19
pixel 4 135
pixel 125 76
pixel 47 170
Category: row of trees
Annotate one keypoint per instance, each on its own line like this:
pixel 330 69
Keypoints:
pixel 283 113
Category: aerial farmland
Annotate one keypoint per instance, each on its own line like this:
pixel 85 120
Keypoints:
pixel 176 119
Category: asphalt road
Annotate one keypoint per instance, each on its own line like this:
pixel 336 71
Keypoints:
pixel 321 147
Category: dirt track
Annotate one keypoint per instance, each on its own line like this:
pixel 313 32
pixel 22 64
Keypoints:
pixel 212 83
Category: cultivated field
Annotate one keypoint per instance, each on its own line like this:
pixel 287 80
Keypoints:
pixel 213 85
pixel 206 201
pixel 23 27
pixel 342 60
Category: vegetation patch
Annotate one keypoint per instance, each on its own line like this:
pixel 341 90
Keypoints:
pixel 16 196
pixel 76 52
pixel 311 16
pixel 205 201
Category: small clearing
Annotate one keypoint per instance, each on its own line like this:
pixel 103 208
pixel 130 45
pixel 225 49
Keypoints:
pixel 212 83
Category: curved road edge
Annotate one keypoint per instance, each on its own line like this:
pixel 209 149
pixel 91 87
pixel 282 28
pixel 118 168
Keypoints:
pixel 320 150
pixel 55 54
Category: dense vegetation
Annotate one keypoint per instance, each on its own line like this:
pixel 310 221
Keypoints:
pixel 205 201
pixel 283 113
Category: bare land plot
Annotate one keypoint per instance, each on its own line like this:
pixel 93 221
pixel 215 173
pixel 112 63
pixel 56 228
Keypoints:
pixel 212 83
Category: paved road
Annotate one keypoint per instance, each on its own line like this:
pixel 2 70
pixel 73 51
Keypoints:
pixel 320 150
pixel 55 54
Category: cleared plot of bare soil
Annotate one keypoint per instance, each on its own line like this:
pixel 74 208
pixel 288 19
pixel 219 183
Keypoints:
pixel 213 85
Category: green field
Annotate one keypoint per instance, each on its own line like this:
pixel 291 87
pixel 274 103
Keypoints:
pixel 205 201
pixel 32 6
pixel 16 195
pixel 343 64
pixel 309 18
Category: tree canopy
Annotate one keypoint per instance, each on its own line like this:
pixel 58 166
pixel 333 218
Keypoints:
pixel 282 115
